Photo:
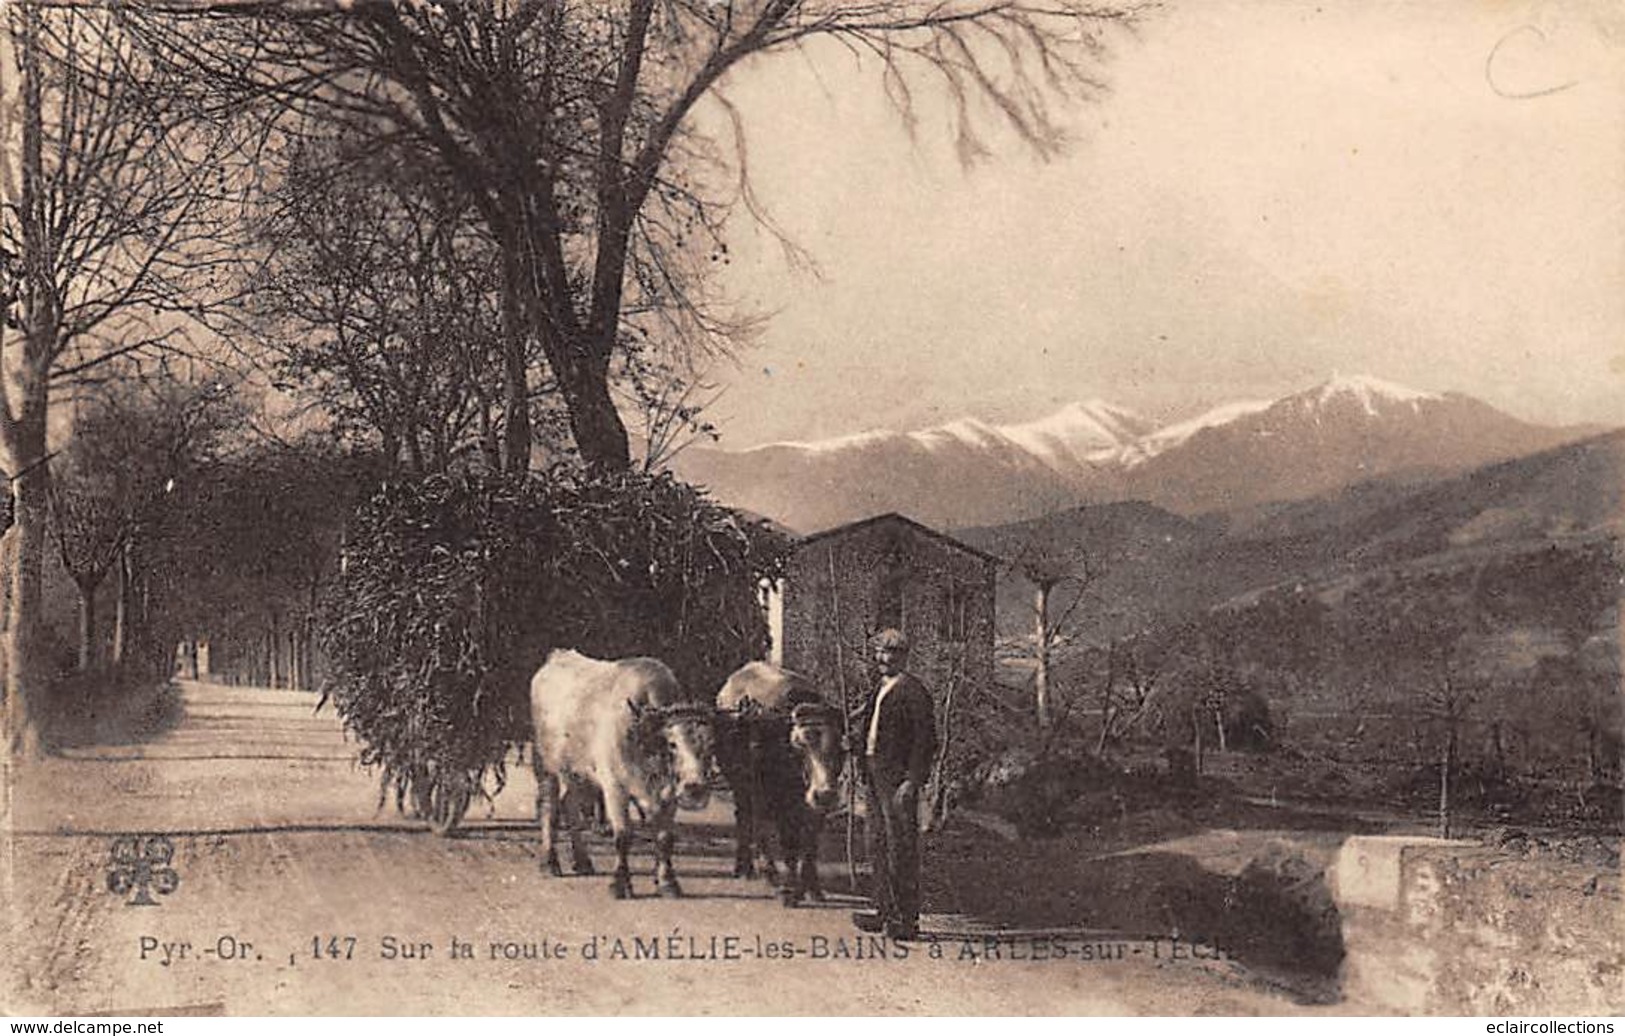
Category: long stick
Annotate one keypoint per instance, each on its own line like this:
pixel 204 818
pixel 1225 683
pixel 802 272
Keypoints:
pixel 846 726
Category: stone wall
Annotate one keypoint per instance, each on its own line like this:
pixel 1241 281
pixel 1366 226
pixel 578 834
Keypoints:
pixel 835 596
pixel 1433 927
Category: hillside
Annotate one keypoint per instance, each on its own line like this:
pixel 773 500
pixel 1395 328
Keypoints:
pixel 1131 554
pixel 1358 634
pixel 1152 568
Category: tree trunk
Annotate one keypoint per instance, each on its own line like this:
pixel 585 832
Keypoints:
pixel 490 446
pixel 1196 724
pixel 23 430
pixel 1444 787
pixel 1108 689
pixel 272 656
pixel 25 677
pixel 596 424
pixel 87 621
pixel 938 812
pixel 440 445
pixel 516 431
pixel 296 661
pixel 143 597
pixel 1041 635
pixel 8 566
pixel 313 660
pixel 121 603
pixel 1218 725
pixel 1593 755
pixel 414 453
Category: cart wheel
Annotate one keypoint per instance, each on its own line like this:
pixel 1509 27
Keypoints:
pixel 422 798
pixel 448 805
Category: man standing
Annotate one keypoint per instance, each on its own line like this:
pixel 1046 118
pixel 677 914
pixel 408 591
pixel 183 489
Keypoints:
pixel 898 740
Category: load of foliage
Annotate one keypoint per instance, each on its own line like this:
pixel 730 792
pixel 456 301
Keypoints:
pixel 454 589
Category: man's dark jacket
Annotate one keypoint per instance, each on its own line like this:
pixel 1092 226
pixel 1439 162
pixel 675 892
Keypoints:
pixel 906 742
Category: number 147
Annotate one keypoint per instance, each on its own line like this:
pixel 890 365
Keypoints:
pixel 336 948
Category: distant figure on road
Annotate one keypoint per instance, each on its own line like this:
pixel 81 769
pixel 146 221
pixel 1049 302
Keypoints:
pixel 897 740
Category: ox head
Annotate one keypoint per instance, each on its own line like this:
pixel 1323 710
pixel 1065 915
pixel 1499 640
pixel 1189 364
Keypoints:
pixel 815 734
pixel 681 744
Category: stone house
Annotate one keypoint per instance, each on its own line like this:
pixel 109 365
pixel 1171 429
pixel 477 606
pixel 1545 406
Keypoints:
pixel 843 585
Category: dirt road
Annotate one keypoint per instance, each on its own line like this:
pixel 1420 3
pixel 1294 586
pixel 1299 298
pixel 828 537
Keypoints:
pixel 297 896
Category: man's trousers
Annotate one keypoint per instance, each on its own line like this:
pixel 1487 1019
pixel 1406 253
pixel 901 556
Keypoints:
pixel 894 846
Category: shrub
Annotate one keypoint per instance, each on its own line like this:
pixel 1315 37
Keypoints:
pixel 1283 911
pixel 110 706
pixel 1247 722
pixel 453 590
pixel 1046 791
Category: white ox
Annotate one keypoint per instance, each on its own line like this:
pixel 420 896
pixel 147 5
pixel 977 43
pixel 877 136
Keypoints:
pixel 622 728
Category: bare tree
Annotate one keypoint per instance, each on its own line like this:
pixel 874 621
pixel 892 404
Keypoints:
pixel 380 304
pixel 133 440
pixel 1132 684
pixel 671 407
pixel 89 536
pixel 1047 566
pixel 107 225
pixel 1448 696
pixel 1429 628
pixel 568 125
pixel 1583 610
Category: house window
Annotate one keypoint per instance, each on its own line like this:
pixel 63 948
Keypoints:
pixel 889 601
pixel 889 592
pixel 953 621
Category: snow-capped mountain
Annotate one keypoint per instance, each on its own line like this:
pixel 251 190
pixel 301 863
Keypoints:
pixel 1369 393
pixel 1166 438
pixel 969 472
pixel 963 472
pixel 1342 431
pixel 1081 434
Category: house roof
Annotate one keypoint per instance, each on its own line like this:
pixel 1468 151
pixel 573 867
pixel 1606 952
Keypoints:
pixel 894 517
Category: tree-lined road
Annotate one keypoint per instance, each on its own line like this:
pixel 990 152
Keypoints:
pixel 277 843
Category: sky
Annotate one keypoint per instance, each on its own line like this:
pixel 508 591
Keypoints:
pixel 1271 193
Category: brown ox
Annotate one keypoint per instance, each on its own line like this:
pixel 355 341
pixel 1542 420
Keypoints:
pixel 779 746
pixel 621 728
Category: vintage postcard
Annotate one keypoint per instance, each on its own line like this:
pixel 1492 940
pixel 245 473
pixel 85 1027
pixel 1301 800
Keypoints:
pixel 677 507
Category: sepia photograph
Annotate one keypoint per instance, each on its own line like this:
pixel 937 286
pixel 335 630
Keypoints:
pixel 538 508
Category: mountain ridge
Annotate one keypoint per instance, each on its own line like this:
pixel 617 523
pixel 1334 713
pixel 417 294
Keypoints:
pixel 1145 566
pixel 969 472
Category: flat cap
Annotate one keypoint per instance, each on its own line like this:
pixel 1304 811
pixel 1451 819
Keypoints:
pixel 895 639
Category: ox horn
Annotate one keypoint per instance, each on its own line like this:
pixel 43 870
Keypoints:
pixel 688 710
pixel 813 713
